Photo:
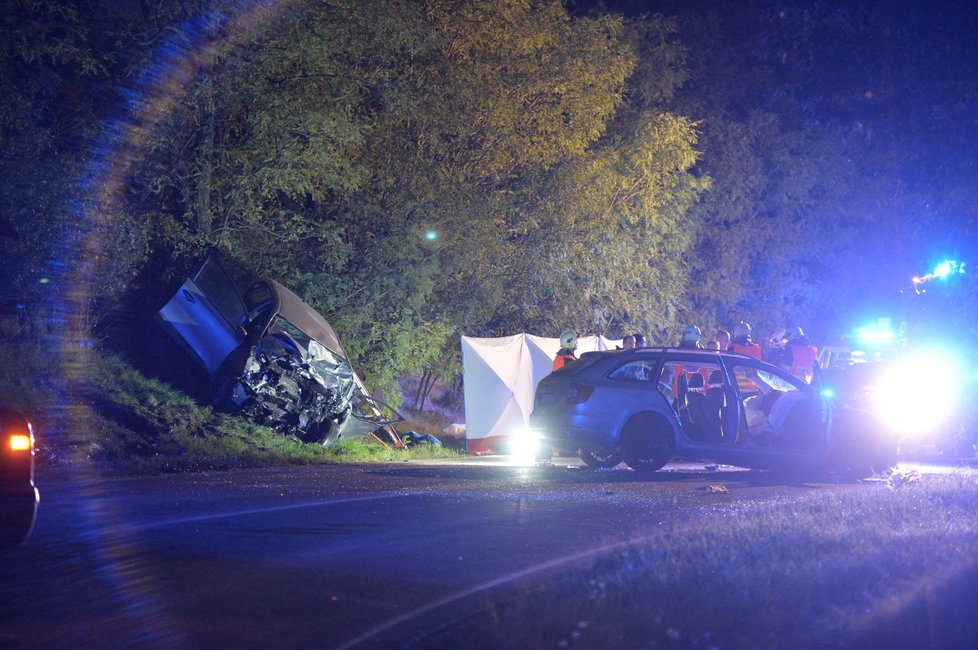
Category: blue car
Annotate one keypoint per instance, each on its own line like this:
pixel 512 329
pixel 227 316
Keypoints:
pixel 18 495
pixel 648 406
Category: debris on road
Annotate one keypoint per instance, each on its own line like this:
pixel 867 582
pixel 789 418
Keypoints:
pixel 901 477
pixel 717 489
pixel 413 438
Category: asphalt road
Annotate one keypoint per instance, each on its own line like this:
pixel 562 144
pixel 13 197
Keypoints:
pixel 332 556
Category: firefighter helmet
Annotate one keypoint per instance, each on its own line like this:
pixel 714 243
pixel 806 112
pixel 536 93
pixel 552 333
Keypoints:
pixel 741 331
pixel 691 336
pixel 568 339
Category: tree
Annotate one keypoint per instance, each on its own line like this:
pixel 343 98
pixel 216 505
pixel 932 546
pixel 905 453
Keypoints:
pixel 427 168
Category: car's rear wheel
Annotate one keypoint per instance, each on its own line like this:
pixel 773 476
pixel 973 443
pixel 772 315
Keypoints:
pixel 600 457
pixel 647 443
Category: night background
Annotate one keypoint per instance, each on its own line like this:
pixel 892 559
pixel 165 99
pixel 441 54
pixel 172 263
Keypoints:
pixel 418 171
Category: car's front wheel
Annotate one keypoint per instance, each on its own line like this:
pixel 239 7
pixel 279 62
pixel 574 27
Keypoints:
pixel 600 457
pixel 861 451
pixel 647 443
pixel 856 462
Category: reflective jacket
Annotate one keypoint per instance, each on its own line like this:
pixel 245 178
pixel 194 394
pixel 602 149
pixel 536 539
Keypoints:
pixel 564 356
pixel 803 360
pixel 751 350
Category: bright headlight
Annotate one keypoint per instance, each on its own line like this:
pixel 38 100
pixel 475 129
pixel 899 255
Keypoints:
pixel 918 392
pixel 524 445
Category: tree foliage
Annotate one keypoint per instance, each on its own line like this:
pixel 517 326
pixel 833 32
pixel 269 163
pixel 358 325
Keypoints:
pixel 422 169
pixel 419 170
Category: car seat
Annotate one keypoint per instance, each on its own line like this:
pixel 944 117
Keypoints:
pixel 713 401
pixel 703 411
pixel 721 407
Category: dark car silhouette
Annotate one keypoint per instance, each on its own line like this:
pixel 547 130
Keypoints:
pixel 18 495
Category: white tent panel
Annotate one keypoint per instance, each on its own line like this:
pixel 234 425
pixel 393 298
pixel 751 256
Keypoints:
pixel 490 368
pixel 500 378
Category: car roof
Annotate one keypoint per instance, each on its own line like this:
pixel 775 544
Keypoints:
pixel 306 318
pixel 674 351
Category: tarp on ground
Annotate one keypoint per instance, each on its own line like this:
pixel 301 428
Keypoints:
pixel 500 376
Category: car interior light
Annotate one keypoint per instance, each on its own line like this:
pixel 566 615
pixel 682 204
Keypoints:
pixel 20 442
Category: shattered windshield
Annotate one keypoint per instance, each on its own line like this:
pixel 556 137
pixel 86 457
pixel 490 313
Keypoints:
pixel 330 369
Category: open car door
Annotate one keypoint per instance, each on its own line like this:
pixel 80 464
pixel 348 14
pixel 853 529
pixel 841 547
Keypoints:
pixel 367 415
pixel 207 315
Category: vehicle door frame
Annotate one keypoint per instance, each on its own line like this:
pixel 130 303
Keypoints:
pixel 823 441
pixel 689 442
pixel 192 305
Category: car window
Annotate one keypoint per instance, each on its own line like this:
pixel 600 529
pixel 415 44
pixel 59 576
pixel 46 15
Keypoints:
pixel 667 381
pixel 214 282
pixel 777 410
pixel 775 381
pixel 642 370
pixel 258 296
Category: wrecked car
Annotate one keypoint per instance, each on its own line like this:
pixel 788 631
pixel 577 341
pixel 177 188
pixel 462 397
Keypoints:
pixel 271 357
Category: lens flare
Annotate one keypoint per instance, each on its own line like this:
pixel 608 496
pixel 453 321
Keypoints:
pixel 918 393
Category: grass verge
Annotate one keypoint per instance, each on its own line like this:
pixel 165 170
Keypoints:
pixel 139 424
pixel 867 568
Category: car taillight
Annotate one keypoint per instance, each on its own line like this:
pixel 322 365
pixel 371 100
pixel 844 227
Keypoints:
pixel 578 393
pixel 19 442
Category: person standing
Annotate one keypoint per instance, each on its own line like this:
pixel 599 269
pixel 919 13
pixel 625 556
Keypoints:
pixel 723 338
pixel 691 338
pixel 690 341
pixel 774 350
pixel 742 343
pixel 640 341
pixel 800 357
pixel 565 355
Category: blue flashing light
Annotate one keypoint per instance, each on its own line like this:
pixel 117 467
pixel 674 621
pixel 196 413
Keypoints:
pixel 871 336
pixel 431 235
pixel 827 393
pixel 948 267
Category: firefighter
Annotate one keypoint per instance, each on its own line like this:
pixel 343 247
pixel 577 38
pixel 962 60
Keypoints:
pixel 723 338
pixel 568 343
pixel 800 357
pixel 690 341
pixel 742 344
pixel 691 338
